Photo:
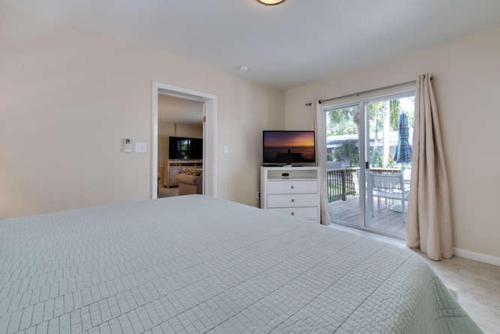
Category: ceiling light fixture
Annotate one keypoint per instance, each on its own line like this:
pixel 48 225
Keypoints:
pixel 242 68
pixel 271 2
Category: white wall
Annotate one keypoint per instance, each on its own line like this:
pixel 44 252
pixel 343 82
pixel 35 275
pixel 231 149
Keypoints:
pixel 66 99
pixel 467 80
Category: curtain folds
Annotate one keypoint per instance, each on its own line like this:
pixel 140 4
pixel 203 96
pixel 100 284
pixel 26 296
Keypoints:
pixel 429 226
pixel 320 129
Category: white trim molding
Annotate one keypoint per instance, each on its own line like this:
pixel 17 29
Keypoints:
pixel 467 254
pixel 210 166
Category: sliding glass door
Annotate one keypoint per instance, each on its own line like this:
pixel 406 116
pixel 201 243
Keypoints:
pixel 369 163
pixel 389 134
pixel 343 131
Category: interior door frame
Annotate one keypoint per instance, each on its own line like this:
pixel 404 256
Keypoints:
pixel 210 109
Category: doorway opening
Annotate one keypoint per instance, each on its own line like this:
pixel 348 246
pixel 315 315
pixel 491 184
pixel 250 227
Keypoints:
pixel 180 146
pixel 184 160
pixel 368 166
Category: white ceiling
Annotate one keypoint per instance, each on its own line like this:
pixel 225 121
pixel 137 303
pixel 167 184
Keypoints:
pixel 286 45
pixel 176 110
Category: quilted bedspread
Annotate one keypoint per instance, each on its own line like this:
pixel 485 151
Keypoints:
pixel 197 265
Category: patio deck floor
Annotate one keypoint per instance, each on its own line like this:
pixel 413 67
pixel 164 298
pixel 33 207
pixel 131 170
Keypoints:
pixel 384 220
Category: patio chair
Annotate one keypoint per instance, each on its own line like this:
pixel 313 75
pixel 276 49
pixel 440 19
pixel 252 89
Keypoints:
pixel 388 186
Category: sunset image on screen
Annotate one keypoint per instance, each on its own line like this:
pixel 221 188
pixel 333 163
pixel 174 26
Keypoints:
pixel 289 147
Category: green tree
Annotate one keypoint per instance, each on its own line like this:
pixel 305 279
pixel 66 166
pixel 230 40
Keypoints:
pixel 395 107
pixel 348 152
pixel 342 121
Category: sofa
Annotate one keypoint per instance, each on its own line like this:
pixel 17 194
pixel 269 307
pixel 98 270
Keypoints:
pixel 189 184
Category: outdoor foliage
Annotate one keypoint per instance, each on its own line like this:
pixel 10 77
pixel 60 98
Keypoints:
pixel 382 114
pixel 348 152
pixel 343 121
pixel 383 119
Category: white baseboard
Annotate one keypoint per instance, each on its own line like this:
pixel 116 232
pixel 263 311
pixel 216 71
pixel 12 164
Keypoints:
pixel 467 254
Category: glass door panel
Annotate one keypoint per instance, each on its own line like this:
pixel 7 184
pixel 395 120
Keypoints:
pixel 389 134
pixel 343 129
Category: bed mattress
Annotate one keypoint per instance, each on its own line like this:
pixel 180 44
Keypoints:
pixel 198 265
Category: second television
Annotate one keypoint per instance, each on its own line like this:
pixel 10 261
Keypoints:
pixel 182 148
pixel 289 148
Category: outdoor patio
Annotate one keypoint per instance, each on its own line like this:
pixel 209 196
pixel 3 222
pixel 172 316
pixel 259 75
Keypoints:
pixel 383 216
pixel 384 220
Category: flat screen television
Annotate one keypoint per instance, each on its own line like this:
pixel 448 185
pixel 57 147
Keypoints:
pixel 289 148
pixel 182 148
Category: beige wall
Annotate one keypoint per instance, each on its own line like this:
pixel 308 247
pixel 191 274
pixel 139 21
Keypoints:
pixel 177 110
pixel 467 79
pixel 67 97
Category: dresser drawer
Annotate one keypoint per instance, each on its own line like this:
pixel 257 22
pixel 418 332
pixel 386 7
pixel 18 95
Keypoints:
pixel 292 187
pixel 302 213
pixel 287 201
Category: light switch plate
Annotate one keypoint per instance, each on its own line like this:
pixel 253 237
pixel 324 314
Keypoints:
pixel 141 147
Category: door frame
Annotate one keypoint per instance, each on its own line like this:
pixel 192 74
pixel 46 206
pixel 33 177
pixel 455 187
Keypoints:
pixel 362 102
pixel 210 109
pixel 362 147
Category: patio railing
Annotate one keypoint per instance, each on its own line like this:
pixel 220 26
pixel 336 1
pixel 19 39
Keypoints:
pixel 341 183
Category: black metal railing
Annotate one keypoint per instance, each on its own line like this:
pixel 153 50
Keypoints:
pixel 341 183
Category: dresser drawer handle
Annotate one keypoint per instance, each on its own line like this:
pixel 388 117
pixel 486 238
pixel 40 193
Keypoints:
pixel 292 187
pixel 293 213
pixel 293 200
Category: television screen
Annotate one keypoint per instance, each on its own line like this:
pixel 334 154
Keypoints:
pixel 185 148
pixel 289 147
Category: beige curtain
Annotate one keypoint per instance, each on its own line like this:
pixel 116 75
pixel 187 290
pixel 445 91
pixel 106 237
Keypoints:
pixel 320 129
pixel 429 225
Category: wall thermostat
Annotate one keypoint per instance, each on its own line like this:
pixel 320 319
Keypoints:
pixel 127 145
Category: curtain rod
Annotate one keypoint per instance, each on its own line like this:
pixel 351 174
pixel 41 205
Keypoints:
pixel 366 91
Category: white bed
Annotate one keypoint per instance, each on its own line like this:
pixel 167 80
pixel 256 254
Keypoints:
pixel 194 265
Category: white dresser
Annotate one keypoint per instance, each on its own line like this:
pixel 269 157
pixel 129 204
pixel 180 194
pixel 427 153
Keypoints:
pixel 291 191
